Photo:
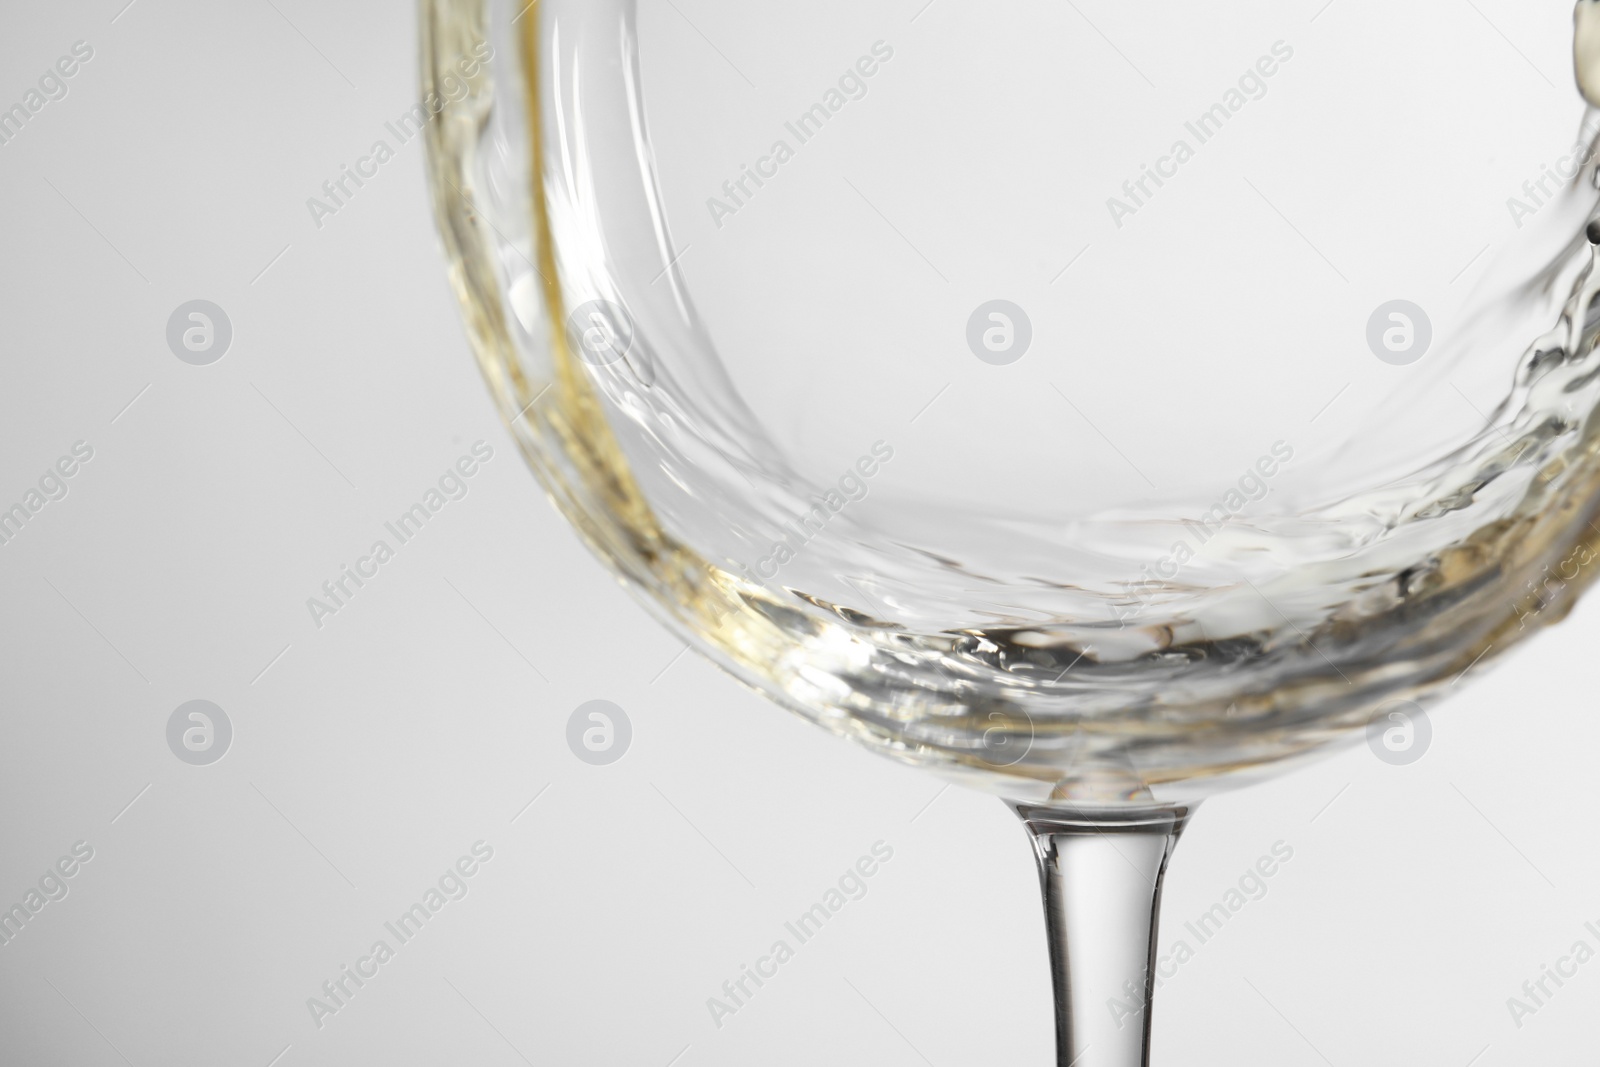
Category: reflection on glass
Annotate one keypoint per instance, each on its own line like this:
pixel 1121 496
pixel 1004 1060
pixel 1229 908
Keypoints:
pixel 1097 414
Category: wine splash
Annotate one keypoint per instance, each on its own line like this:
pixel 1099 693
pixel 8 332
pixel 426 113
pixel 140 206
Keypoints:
pixel 1063 668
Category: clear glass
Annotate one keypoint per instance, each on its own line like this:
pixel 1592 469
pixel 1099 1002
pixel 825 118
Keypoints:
pixel 1096 405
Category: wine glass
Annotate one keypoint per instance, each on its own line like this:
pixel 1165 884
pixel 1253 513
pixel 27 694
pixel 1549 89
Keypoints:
pixel 1096 405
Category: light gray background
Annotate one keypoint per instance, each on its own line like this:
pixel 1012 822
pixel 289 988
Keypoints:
pixel 370 754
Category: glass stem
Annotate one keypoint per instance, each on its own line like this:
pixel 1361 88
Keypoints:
pixel 1101 873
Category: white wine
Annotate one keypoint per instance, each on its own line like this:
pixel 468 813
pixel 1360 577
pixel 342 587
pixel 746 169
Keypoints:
pixel 1118 568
